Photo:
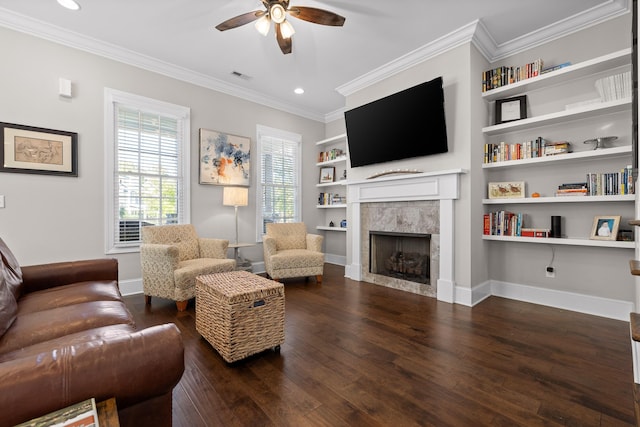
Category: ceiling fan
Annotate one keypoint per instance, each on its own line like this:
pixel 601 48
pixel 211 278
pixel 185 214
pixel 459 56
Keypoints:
pixel 276 11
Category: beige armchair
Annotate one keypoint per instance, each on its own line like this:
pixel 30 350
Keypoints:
pixel 172 256
pixel 290 252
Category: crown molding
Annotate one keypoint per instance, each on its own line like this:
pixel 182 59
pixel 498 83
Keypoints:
pixel 430 50
pixel 52 33
pixel 477 33
pixel 595 15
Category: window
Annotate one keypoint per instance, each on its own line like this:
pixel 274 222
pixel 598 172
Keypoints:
pixel 278 183
pixel 147 167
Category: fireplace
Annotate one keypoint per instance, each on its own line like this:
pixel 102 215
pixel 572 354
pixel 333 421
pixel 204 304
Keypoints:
pixel 400 255
pixel 418 203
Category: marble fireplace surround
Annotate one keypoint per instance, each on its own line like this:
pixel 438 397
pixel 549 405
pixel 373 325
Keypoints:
pixel 395 190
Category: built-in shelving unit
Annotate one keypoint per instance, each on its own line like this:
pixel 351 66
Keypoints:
pixel 551 88
pixel 334 212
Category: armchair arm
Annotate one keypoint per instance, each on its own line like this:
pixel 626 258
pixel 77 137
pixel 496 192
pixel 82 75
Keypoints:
pixel 125 367
pixel 269 246
pixel 45 276
pixel 158 262
pixel 213 248
pixel 314 242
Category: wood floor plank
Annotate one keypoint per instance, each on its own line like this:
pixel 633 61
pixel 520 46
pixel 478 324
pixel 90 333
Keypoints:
pixel 357 354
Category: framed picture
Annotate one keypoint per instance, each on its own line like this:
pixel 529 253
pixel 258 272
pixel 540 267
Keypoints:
pixel 506 190
pixel 28 149
pixel 510 109
pixel 605 227
pixel 327 174
pixel 224 159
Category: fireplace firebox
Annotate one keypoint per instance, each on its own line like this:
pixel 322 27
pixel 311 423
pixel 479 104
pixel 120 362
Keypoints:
pixel 400 255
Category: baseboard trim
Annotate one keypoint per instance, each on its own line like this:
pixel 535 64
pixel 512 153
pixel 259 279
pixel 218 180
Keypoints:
pixel 588 304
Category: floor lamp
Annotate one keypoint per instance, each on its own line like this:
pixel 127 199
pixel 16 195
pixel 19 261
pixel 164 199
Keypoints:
pixel 236 196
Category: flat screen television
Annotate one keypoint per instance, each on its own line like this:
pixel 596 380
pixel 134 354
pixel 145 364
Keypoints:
pixel 410 123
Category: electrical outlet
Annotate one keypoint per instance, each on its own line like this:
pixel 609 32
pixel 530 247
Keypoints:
pixel 551 272
pixel 1 201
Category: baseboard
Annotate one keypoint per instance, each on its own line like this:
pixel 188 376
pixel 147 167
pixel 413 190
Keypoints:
pixel 588 304
pixel 335 259
pixel 130 287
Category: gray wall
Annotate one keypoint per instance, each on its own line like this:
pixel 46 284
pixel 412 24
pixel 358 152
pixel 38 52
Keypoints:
pixel 50 218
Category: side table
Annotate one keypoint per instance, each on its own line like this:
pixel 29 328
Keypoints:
pixel 241 263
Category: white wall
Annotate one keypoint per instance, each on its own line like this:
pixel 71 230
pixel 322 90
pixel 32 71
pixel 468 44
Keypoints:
pixel 51 218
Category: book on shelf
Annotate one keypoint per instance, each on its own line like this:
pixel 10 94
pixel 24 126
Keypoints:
pixel 610 183
pixel 502 76
pixel 535 232
pixel 327 199
pixel 572 189
pixel 333 154
pixel 553 148
pixel 612 88
pixel 502 223
pixel 555 67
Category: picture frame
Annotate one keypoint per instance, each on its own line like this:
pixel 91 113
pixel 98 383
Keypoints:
pixel 327 174
pixel 35 150
pixel 224 159
pixel 506 190
pixel 605 227
pixel 511 109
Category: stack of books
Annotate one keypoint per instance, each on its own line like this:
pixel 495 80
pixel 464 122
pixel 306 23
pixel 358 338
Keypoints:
pixel 553 148
pixel 573 189
pixel 615 87
pixel 502 76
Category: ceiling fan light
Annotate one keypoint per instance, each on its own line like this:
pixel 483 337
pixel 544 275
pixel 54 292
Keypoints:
pixel 263 24
pixel 277 13
pixel 286 29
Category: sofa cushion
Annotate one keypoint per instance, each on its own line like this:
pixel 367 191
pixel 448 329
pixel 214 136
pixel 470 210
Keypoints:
pixel 75 293
pixel 96 334
pixel 11 269
pixel 297 258
pixel 187 271
pixel 33 328
pixel 8 307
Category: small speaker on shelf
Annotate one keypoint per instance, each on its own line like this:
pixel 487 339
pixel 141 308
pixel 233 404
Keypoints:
pixel 556 226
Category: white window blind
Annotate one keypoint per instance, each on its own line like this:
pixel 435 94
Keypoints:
pixel 279 187
pixel 147 169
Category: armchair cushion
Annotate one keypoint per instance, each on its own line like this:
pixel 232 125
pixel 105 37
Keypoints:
pixel 288 236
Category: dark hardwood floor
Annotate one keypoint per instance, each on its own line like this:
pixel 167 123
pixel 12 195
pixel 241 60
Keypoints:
pixel 357 354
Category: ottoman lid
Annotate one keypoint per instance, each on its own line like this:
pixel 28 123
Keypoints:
pixel 238 286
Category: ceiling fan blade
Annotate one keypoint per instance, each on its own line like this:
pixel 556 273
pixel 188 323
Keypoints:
pixel 317 16
pixel 285 44
pixel 240 20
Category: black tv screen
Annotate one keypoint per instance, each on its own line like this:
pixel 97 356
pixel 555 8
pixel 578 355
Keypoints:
pixel 409 123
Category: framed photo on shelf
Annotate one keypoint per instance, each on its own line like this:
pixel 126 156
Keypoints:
pixel 506 190
pixel 605 227
pixel 327 174
pixel 28 149
pixel 511 109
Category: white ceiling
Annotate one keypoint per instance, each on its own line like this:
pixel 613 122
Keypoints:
pixel 178 38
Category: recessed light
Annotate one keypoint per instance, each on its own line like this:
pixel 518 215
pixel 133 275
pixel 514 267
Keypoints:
pixel 69 4
pixel 299 90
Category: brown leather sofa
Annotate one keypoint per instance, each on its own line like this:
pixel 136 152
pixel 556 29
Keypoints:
pixel 66 335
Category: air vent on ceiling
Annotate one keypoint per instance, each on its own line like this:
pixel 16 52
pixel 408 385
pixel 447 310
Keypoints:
pixel 240 75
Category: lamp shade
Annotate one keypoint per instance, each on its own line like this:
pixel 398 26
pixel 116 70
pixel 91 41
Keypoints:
pixel 235 196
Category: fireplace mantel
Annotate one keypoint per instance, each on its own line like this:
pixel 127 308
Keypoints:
pixel 442 186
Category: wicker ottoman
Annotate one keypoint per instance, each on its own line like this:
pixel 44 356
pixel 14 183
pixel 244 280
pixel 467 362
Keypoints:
pixel 240 313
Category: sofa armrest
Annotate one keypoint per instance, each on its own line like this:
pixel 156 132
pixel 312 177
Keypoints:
pixel 132 368
pixel 213 248
pixel 45 276
pixel 314 242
